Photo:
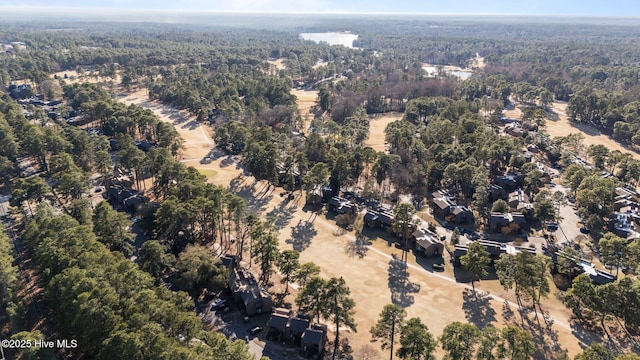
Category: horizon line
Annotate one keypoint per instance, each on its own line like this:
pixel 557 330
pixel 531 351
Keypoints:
pixel 317 13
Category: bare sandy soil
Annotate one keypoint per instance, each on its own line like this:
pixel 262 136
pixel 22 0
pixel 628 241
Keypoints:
pixel 87 77
pixel 377 125
pixel 319 63
pixel 562 127
pixel 306 100
pixel 478 62
pixel 372 273
pixel 278 63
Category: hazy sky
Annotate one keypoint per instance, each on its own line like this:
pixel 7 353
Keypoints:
pixel 626 8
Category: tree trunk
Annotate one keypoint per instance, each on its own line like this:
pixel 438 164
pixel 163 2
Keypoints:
pixel 393 330
pixel 335 345
pixel 473 286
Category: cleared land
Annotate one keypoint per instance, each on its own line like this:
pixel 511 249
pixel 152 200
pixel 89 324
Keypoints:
pixel 306 100
pixel 562 127
pixel 374 277
pixel 72 77
pixel 377 125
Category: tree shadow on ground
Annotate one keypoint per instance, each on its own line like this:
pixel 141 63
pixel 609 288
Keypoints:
pixel 477 308
pixel 246 190
pixel 427 262
pixel 589 331
pixel 540 327
pixel 373 234
pixel 402 289
pixel 228 160
pixel 191 125
pixel 357 247
pixel 280 301
pixel 281 215
pixel 301 235
pixel 507 313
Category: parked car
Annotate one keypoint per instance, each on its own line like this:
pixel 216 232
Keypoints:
pixel 218 304
pixel 438 267
pixel 585 230
pixel 256 330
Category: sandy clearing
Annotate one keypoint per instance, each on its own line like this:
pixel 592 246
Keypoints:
pixel 437 300
pixel 563 127
pixel 278 63
pixel 92 77
pixel 377 125
pixel 306 100
pixel 592 136
pixel 478 62
pixel 197 138
pixel 320 63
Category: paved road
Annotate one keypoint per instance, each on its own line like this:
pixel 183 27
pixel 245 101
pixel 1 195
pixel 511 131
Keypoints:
pixel 569 228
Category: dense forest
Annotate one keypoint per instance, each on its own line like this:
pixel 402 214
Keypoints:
pixel 448 136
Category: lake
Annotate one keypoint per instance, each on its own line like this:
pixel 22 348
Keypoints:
pixel 331 38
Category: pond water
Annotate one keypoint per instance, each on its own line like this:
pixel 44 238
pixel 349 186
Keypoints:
pixel 331 38
pixel 460 73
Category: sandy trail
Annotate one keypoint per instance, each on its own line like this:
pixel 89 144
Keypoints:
pixel 373 278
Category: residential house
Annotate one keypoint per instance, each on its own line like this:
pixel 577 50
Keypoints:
pixel 510 182
pixel 341 205
pixel 314 339
pixel 385 217
pixel 427 242
pixel 246 291
pixel 528 156
pixel 379 216
pixel 314 197
pixel 20 91
pixel 625 203
pixel 445 208
pixel 371 218
pixel 519 201
pixel 624 222
pixel 495 249
pixel 499 220
pixel 599 277
pixel 514 129
pixel 626 191
pixel 296 329
pixel 442 207
pixel 496 192
pixel 461 214
pixel 277 326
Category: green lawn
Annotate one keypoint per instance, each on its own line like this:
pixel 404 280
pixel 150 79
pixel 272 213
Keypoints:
pixel 209 173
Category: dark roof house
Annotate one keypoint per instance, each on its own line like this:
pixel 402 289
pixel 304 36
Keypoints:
pixel 427 242
pixel 499 220
pixel 246 290
pixel 314 339
pixel 297 328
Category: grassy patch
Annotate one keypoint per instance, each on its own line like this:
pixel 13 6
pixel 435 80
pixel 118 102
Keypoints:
pixel 209 173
